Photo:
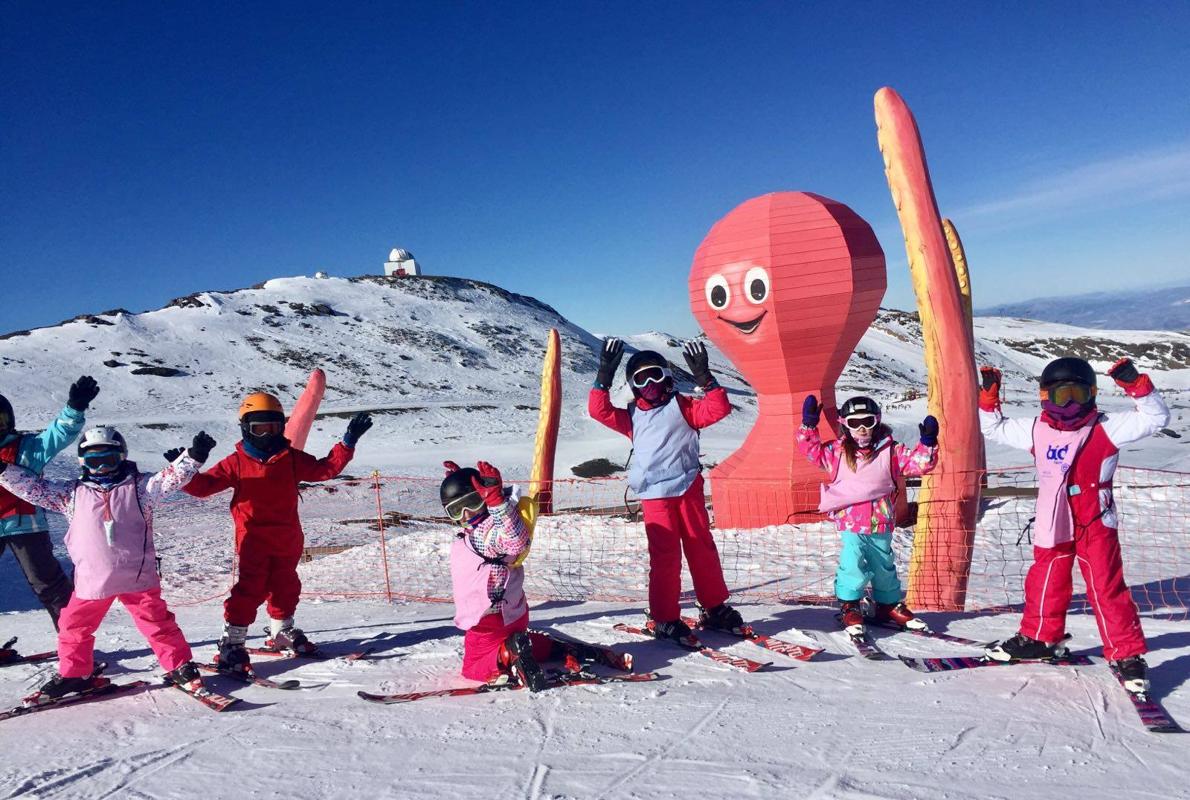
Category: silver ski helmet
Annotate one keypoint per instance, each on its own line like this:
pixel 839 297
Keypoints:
pixel 101 451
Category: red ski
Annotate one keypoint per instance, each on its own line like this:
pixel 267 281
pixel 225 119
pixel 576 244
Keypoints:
pixel 212 700
pixel 801 652
pixel 9 656
pixel 251 678
pixel 574 679
pixel 107 690
pixel 693 644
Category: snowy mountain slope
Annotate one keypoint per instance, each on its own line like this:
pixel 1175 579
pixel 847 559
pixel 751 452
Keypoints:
pixel 451 368
pixel 1167 308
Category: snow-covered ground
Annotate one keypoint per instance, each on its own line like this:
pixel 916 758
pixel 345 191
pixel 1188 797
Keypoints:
pixel 838 727
pixel 450 369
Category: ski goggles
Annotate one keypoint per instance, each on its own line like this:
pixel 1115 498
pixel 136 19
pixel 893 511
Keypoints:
pixel 102 460
pixel 1062 393
pixel 266 428
pixel 865 422
pixel 646 375
pixel 464 508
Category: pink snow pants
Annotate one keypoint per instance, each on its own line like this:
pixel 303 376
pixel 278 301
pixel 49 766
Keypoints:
pixel 80 619
pixel 481 646
pixel 1049 586
pixel 675 525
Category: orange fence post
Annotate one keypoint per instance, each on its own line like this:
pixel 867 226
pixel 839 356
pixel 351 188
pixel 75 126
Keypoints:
pixel 388 589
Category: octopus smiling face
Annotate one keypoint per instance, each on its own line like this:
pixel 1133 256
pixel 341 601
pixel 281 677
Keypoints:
pixel 785 285
pixel 737 295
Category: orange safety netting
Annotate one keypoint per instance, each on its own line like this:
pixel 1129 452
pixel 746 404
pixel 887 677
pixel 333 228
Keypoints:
pixel 386 537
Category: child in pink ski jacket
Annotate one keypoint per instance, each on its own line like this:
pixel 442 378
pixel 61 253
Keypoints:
pixel 110 540
pixel 490 602
pixel 864 464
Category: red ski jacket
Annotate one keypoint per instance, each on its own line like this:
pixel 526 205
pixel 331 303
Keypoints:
pixel 699 413
pixel 265 502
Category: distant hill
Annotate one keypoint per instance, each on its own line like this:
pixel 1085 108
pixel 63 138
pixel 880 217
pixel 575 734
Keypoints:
pixel 1166 309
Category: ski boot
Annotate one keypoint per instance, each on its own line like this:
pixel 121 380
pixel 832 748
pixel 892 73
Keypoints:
pixel 58 687
pixel 1132 674
pixel 233 657
pixel 899 614
pixel 516 658
pixel 677 630
pixel 186 677
pixel 722 617
pixel 291 638
pixel 852 617
pixel 1022 648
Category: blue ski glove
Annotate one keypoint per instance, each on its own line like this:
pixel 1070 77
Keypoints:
pixel 811 411
pixel 358 426
pixel 929 431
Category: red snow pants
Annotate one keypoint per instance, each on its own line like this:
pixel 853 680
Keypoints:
pixel 1049 586
pixel 675 525
pixel 481 645
pixel 81 618
pixel 265 575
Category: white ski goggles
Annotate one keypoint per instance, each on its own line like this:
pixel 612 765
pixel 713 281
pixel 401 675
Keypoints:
pixel 464 508
pixel 650 374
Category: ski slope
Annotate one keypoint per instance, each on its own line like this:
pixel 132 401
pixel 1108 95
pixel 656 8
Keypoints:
pixel 836 727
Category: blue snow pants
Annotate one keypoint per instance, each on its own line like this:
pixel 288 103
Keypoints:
pixel 865 558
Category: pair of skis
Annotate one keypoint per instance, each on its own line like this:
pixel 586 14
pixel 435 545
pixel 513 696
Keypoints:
pixel 1152 714
pixel 557 681
pixel 695 645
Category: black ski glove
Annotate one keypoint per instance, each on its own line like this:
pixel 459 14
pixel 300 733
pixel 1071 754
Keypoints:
pixel 811 412
pixel 82 392
pixel 929 431
pixel 609 361
pixel 695 353
pixel 201 447
pixel 356 428
pixel 172 454
pixel 1124 372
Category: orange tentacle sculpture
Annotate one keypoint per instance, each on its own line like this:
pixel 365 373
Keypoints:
pixel 949 499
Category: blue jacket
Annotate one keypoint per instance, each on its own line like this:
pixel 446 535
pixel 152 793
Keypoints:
pixel 37 450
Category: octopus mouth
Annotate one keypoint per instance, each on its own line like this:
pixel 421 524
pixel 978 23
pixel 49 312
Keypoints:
pixel 748 327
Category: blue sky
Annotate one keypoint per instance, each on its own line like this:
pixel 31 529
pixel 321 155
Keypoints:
pixel 577 152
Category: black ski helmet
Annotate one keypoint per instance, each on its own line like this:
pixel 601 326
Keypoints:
pixel 645 358
pixel 8 421
pixel 1067 370
pixel 860 405
pixel 457 484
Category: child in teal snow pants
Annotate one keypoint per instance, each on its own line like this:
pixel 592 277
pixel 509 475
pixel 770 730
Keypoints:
pixel 865 464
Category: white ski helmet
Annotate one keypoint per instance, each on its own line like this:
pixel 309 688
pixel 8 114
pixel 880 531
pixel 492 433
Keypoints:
pixel 104 436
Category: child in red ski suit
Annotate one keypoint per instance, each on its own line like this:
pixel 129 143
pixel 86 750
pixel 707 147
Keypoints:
pixel 110 540
pixel 864 464
pixel 265 472
pixel 666 474
pixel 1076 448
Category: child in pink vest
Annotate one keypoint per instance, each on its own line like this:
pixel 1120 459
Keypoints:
pixel 1076 448
pixel 489 597
pixel 864 464
pixel 110 540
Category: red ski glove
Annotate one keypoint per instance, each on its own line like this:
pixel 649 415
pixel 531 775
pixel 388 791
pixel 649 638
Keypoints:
pixel 450 467
pixel 1124 373
pixel 490 485
pixel 989 388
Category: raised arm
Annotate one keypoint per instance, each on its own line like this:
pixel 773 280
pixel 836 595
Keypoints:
pixel 705 411
pixel 313 469
pixel 39 450
pixel 179 472
pixel 809 442
pixel 32 488
pixel 1151 414
pixel 223 475
pixel 993 424
pixel 599 406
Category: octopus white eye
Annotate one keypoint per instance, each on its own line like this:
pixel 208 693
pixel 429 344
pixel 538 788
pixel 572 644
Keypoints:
pixel 718 295
pixel 756 285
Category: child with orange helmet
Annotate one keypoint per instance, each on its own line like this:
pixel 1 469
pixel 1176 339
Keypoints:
pixel 265 473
